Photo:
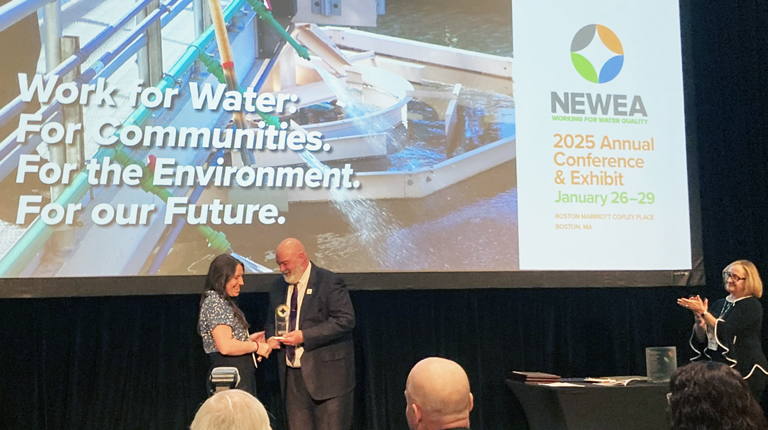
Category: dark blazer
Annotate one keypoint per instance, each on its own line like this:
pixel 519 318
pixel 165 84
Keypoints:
pixel 738 336
pixel 326 320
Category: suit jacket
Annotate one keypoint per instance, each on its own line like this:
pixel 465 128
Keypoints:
pixel 326 320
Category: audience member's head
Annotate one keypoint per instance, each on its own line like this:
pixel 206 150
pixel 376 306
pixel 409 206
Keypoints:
pixel 709 396
pixel 437 395
pixel 231 410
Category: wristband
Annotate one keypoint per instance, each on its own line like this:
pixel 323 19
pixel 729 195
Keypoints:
pixel 703 313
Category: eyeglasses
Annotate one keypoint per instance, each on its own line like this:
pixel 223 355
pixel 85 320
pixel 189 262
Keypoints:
pixel 731 275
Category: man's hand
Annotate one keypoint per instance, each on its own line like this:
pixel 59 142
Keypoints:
pixel 294 338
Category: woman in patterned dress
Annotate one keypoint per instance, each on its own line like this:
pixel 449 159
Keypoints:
pixel 223 326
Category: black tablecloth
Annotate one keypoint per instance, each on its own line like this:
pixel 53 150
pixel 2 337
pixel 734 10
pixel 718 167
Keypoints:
pixel 638 406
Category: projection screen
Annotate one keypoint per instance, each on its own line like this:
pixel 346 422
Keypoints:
pixel 408 144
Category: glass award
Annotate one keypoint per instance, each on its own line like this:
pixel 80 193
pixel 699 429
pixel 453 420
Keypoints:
pixel 661 363
pixel 281 320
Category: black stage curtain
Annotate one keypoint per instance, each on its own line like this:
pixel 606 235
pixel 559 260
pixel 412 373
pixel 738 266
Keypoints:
pixel 137 363
pixel 729 71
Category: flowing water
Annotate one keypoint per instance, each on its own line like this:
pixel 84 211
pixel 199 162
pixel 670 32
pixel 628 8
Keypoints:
pixel 372 224
pixel 469 226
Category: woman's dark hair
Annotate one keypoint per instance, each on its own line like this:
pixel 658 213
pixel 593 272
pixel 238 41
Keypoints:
pixel 710 395
pixel 221 270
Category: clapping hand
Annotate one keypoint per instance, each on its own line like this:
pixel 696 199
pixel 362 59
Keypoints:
pixel 701 322
pixel 695 304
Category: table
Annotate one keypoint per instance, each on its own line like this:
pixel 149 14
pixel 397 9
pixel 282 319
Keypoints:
pixel 638 406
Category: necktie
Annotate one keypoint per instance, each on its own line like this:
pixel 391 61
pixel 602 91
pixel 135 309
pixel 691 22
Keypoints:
pixel 290 350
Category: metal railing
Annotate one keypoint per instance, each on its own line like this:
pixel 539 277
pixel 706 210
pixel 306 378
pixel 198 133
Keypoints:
pixel 26 247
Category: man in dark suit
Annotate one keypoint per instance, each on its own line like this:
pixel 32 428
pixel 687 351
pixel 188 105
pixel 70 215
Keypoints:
pixel 317 357
pixel 437 396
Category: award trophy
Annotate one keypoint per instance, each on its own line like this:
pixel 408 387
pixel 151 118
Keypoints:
pixel 281 320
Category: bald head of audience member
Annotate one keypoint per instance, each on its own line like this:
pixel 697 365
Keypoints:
pixel 231 410
pixel 437 395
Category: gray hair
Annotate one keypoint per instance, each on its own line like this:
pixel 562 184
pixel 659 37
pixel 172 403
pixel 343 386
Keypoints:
pixel 231 410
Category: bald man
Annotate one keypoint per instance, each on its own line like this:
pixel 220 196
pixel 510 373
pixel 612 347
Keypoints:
pixel 437 396
pixel 317 358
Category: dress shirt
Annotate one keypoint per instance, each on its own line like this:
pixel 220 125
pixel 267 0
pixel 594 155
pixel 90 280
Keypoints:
pixel 302 288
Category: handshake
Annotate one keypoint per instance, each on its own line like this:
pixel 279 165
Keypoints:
pixel 265 346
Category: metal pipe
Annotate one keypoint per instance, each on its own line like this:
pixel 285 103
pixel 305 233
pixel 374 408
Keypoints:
pixel 270 65
pixel 152 54
pixel 73 113
pixel 178 225
pixel 141 42
pixel 142 62
pixel 15 11
pixel 216 69
pixel 90 74
pixel 52 34
pixel 26 247
pixel 198 17
pixel 15 107
pixel 173 233
pixel 198 20
pixel 96 70
pixel 266 15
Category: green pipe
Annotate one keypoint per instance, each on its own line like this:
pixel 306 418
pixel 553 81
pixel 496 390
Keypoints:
pixel 214 67
pixel 184 63
pixel 37 234
pixel 216 239
pixel 266 15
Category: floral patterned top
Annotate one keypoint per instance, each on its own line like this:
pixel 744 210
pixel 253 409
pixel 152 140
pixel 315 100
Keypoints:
pixel 216 311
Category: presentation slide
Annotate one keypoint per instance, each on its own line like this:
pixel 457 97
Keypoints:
pixel 398 136
pixel 601 153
